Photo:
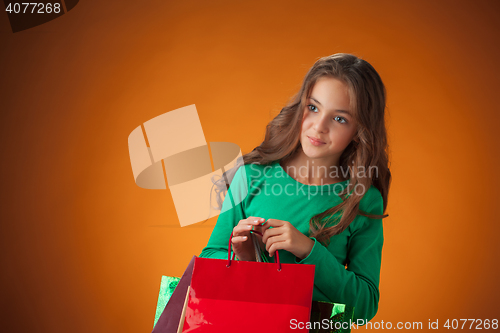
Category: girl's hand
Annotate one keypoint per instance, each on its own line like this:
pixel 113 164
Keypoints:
pixel 284 236
pixel 242 244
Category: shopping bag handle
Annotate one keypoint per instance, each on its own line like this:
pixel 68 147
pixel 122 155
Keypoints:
pixel 276 257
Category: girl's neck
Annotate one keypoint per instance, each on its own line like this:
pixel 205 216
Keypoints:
pixel 312 171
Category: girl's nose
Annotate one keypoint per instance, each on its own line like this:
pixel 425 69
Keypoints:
pixel 320 125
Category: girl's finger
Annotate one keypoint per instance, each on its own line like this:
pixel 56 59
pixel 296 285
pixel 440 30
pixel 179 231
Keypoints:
pixel 276 246
pixel 271 232
pixel 265 227
pixel 273 223
pixel 273 240
pixel 253 221
pixel 244 227
pixel 238 239
pixel 240 230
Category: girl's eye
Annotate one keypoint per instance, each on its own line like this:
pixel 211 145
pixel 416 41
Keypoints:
pixel 343 120
pixel 312 108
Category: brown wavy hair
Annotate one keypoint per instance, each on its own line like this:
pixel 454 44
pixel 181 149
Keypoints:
pixel 369 149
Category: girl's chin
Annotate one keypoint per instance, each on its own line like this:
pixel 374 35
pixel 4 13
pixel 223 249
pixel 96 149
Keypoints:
pixel 314 155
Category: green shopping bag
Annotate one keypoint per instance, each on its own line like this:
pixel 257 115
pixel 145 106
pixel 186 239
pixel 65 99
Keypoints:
pixel 331 317
pixel 167 287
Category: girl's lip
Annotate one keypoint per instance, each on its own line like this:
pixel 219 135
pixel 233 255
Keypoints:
pixel 316 140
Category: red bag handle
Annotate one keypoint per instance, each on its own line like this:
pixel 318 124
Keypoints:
pixel 276 257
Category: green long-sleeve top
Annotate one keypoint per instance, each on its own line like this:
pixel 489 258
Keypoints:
pixel 347 271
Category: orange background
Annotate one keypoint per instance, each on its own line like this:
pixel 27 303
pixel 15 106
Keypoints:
pixel 83 248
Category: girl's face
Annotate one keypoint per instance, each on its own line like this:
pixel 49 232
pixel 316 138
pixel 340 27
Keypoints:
pixel 328 118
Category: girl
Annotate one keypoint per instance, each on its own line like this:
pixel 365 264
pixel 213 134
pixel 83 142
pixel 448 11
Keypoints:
pixel 317 186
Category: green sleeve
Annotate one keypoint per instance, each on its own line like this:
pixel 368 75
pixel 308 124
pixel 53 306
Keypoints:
pixel 358 285
pixel 230 216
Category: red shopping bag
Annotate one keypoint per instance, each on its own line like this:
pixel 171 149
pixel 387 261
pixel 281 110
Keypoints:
pixel 245 296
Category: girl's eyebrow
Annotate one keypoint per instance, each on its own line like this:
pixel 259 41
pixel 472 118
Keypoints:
pixel 341 111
